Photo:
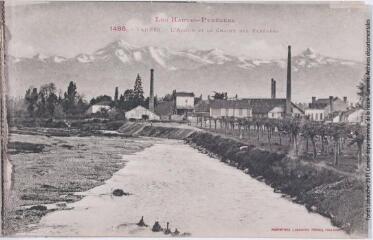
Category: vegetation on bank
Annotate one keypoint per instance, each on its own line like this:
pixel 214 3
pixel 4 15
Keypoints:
pixel 326 140
pixel 48 102
pixel 320 188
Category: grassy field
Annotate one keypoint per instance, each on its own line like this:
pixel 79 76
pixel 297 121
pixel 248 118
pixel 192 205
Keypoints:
pixel 50 169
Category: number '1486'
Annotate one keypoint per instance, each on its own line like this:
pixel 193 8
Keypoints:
pixel 118 28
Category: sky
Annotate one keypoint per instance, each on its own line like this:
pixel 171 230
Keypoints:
pixel 70 28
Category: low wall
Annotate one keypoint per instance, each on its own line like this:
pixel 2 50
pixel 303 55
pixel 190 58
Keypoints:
pixel 161 130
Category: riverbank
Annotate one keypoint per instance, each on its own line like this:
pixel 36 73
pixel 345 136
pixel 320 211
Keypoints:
pixel 335 194
pixel 323 190
pixel 50 166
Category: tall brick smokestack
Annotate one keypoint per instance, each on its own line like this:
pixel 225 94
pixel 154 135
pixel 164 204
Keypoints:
pixel 273 88
pixel 288 84
pixel 331 107
pixel 151 95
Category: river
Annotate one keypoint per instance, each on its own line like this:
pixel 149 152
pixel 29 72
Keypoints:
pixel 172 182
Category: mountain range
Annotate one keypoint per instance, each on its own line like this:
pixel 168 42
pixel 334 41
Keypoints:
pixel 200 71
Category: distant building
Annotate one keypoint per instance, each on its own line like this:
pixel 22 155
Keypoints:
pixel 277 112
pixel 230 108
pixel 354 116
pixel 323 108
pixel 98 107
pixel 141 113
pixel 272 108
pixel 184 102
pixel 202 108
pixel 245 108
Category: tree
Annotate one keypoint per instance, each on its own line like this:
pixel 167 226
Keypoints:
pixel 358 138
pixel 138 92
pixel 309 131
pixel 222 95
pixel 127 100
pixel 81 105
pixel 31 98
pixel 101 98
pixel 168 97
pixel 70 98
pixel 47 100
pixel 363 92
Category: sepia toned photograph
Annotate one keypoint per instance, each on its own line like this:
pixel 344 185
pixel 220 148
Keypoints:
pixel 185 119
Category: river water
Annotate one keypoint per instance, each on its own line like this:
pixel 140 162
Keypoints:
pixel 172 182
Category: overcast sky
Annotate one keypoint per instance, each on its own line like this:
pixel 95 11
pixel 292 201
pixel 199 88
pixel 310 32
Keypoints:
pixel 68 29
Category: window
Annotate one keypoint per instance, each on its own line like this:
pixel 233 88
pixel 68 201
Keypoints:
pixel 240 112
pixel 320 116
pixel 273 115
pixel 316 116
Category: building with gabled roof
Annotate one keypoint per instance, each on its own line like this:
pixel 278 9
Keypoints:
pixel 230 108
pixel 272 108
pixel 249 107
pixel 354 116
pixel 202 108
pixel 323 108
pixel 184 102
pixel 98 107
pixel 141 113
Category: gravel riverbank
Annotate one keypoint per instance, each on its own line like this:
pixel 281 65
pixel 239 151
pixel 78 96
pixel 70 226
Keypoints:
pixel 49 170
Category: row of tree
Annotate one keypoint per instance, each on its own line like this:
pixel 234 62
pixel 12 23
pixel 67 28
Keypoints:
pixel 323 137
pixel 44 102
pixel 129 99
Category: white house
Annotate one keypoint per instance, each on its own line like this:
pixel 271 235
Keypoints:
pixel 277 112
pixel 184 102
pixel 95 108
pixel 316 114
pixel 321 109
pixel 230 108
pixel 357 116
pixel 351 116
pixel 140 112
pixel 272 108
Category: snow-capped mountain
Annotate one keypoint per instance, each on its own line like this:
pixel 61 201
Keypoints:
pixel 201 71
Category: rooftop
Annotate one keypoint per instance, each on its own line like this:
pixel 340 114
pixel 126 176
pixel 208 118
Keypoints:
pixel 102 103
pixel 236 104
pixel 184 94
pixel 264 105
pixel 321 103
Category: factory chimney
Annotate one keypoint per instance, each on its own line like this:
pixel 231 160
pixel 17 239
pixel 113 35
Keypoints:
pixel 273 88
pixel 331 103
pixel 288 84
pixel 151 95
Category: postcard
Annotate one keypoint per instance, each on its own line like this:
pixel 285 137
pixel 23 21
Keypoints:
pixel 185 119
